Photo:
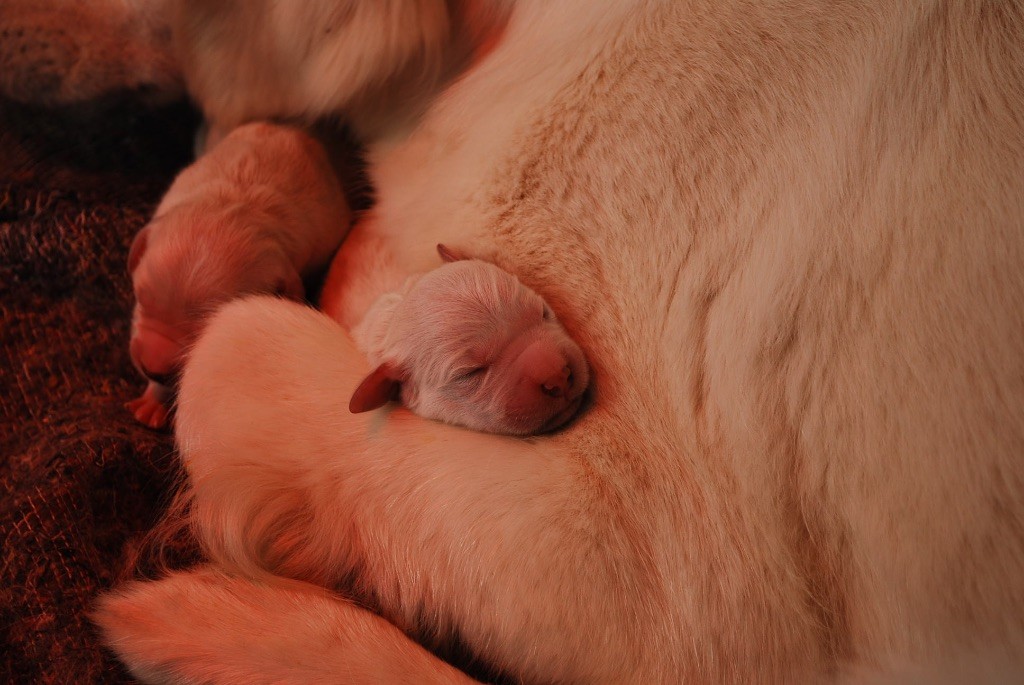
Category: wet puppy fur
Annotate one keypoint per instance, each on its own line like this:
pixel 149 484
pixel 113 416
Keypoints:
pixel 258 213
pixel 468 344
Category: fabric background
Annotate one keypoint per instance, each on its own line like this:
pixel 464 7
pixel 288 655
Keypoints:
pixel 80 480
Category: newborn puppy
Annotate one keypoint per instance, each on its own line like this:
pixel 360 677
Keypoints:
pixel 470 345
pixel 256 214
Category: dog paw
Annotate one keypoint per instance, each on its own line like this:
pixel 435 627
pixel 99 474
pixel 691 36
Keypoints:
pixel 34 62
pixel 151 408
pixel 52 55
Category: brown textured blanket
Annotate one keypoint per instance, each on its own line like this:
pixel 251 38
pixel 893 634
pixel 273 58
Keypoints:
pixel 80 480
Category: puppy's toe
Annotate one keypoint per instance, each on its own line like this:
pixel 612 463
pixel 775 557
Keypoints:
pixel 149 411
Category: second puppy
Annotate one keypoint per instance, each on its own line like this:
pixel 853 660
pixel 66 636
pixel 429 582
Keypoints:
pixel 259 212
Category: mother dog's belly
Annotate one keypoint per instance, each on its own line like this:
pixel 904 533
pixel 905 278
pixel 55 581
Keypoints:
pixel 771 258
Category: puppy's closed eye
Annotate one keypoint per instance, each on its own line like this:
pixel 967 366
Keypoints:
pixel 472 374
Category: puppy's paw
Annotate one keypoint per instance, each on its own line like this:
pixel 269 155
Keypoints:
pixel 152 407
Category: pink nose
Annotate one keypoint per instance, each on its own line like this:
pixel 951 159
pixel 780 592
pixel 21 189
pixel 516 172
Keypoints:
pixel 545 367
pixel 558 384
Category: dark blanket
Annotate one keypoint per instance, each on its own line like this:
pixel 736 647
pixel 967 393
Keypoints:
pixel 80 480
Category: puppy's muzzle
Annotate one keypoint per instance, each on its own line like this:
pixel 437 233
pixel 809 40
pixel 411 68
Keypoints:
pixel 155 356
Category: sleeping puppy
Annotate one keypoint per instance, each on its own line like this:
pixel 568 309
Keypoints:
pixel 470 345
pixel 258 213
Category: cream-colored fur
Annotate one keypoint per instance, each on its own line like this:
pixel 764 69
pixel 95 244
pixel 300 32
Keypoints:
pixel 253 59
pixel 206 615
pixel 789 238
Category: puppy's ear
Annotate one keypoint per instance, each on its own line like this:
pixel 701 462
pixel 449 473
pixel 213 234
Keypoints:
pixel 137 249
pixel 377 389
pixel 448 254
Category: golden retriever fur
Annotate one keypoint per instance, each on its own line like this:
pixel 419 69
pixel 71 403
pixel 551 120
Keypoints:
pixel 787 235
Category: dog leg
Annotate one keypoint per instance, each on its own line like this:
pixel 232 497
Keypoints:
pixel 199 626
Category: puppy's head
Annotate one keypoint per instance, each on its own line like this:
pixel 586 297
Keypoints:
pixel 181 271
pixel 471 345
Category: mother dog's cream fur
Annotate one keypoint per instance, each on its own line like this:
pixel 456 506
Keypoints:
pixel 789 238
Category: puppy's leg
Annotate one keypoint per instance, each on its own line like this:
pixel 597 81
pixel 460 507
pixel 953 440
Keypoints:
pixel 203 626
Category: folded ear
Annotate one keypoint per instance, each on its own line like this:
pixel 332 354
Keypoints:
pixel 380 387
pixel 448 254
pixel 137 249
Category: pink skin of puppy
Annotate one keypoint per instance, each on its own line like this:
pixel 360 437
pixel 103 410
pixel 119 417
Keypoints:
pixel 261 210
pixel 470 345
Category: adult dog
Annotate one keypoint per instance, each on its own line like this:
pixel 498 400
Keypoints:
pixel 789 237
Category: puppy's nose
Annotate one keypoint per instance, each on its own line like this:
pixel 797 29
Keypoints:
pixel 558 384
pixel 545 368
pixel 155 355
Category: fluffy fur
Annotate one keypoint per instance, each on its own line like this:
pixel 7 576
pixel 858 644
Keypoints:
pixel 470 345
pixel 788 236
pixel 259 212
pixel 253 59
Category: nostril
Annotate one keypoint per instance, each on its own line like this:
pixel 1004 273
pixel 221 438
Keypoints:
pixel 558 383
pixel 552 389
